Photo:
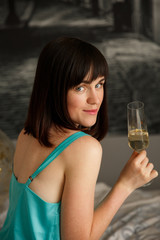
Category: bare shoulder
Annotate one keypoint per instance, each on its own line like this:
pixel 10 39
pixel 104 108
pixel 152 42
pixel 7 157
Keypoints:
pixel 84 150
pixel 20 139
pixel 22 136
pixel 26 144
pixel 88 144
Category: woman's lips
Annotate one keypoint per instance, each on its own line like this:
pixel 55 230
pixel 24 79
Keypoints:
pixel 92 111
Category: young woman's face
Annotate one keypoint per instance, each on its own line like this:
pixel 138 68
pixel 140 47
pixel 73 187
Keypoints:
pixel 84 102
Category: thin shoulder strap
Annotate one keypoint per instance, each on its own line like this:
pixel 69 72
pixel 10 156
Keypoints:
pixel 55 153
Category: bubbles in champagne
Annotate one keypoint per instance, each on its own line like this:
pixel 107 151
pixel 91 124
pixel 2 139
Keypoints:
pixel 138 139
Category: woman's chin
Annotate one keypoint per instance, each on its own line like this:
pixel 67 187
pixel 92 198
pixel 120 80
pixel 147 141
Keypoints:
pixel 89 125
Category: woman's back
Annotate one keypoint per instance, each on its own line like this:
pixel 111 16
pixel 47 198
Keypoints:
pixel 32 215
pixel 29 155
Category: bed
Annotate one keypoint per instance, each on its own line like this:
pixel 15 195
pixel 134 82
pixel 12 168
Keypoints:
pixel 137 219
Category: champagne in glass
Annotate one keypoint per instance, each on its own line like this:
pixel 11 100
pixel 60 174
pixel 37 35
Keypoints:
pixel 138 137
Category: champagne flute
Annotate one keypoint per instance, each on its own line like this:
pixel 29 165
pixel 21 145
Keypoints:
pixel 138 137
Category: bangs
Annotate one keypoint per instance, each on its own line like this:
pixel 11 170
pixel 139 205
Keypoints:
pixel 97 69
pixel 89 64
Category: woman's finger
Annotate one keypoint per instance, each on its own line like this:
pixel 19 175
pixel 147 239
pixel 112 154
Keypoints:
pixel 141 156
pixel 154 174
pixel 134 155
pixel 145 162
pixel 150 166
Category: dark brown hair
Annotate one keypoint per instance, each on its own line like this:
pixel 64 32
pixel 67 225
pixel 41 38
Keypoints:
pixel 62 65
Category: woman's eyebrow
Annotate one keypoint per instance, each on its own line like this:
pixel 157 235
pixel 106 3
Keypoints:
pixel 88 82
pixel 103 79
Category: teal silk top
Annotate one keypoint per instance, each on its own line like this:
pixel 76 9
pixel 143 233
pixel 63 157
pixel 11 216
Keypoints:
pixel 30 217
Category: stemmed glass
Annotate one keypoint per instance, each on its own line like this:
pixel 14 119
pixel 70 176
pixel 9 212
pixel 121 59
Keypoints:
pixel 138 137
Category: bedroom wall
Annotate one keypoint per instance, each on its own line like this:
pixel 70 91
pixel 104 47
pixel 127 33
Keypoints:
pixel 116 153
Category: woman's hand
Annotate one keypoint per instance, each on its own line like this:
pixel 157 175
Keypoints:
pixel 137 172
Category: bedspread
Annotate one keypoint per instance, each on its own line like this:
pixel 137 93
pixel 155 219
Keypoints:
pixel 137 219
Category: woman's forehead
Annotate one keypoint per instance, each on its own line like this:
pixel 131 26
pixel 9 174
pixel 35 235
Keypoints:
pixel 90 77
pixel 94 73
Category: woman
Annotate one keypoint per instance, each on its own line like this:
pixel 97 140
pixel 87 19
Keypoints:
pixel 58 153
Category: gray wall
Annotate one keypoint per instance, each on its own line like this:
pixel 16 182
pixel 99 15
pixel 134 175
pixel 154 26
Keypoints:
pixel 116 153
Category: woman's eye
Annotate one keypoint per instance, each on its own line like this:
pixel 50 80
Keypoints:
pixel 79 89
pixel 99 85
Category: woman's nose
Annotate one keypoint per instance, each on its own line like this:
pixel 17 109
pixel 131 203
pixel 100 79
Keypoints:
pixel 93 97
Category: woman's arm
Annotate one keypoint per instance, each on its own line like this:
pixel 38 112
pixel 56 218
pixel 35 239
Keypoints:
pixel 78 218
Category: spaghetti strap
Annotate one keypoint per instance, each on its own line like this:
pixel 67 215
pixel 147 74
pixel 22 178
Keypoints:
pixel 55 153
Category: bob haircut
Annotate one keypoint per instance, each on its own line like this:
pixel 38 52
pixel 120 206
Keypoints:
pixel 62 65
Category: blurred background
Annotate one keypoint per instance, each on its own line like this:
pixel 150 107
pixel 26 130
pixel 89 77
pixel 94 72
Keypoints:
pixel 126 31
